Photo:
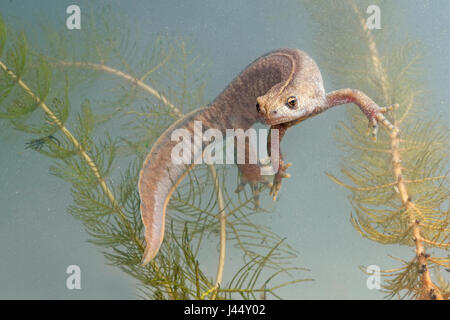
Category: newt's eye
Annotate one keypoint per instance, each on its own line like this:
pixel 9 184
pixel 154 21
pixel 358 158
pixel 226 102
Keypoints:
pixel 292 102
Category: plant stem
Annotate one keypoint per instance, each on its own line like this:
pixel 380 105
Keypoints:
pixel 223 230
pixel 118 73
pixel 429 290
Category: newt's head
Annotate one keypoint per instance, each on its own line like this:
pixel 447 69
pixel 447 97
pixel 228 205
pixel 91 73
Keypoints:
pixel 292 103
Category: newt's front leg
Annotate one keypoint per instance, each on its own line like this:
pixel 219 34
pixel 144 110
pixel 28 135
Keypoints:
pixel 250 173
pixel 281 170
pixel 371 110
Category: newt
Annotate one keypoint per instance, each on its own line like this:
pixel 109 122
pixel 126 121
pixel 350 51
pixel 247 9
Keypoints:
pixel 281 88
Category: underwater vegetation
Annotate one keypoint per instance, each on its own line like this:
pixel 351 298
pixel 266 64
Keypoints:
pixel 35 91
pixel 397 185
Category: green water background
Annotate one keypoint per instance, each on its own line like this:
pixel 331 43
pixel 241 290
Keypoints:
pixel 39 239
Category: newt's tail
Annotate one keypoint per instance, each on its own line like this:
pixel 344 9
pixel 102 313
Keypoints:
pixel 160 176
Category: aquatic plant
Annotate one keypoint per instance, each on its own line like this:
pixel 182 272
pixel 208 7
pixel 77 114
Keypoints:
pixel 132 94
pixel 397 186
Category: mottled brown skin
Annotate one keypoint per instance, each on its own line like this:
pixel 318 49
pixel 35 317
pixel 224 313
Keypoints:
pixel 261 92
